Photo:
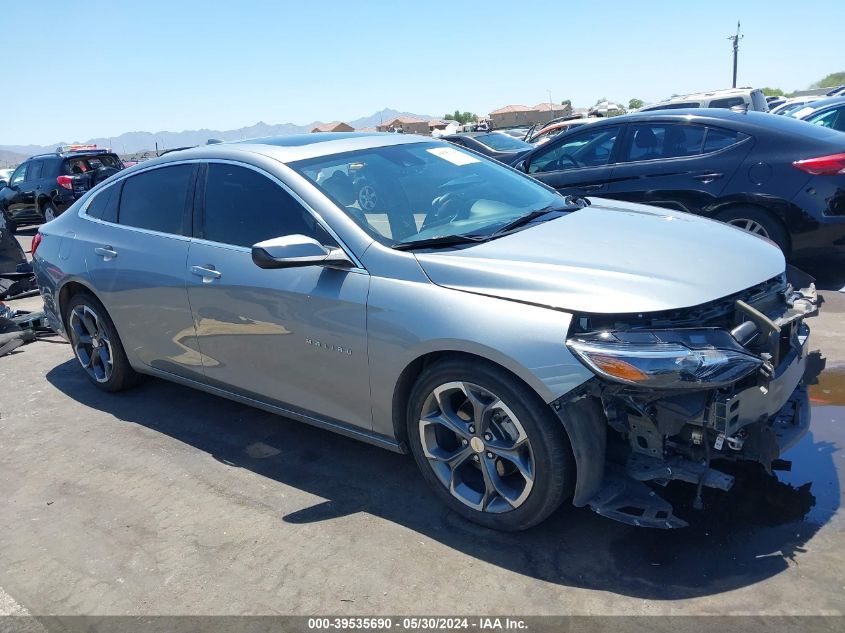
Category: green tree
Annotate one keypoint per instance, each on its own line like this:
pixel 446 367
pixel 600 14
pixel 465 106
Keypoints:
pixel 831 81
pixel 461 117
pixel 566 102
pixel 772 92
pixel 635 103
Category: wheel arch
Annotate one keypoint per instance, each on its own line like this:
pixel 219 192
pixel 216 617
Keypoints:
pixel 778 212
pixel 408 377
pixel 67 290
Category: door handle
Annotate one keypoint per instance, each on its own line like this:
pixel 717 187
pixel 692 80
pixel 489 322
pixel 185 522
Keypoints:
pixel 208 274
pixel 106 252
pixel 709 177
pixel 592 187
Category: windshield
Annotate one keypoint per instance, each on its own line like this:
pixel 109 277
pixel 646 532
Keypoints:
pixel 402 194
pixel 502 142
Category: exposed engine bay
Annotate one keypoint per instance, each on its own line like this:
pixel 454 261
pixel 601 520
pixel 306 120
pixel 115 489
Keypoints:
pixel 676 393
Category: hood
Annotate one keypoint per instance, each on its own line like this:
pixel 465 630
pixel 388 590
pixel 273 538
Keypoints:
pixel 611 257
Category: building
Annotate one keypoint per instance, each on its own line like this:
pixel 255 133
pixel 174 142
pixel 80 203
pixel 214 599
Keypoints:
pixel 438 124
pixel 334 126
pixel 406 124
pixel 519 115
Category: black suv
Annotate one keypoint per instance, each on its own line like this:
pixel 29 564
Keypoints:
pixel 43 186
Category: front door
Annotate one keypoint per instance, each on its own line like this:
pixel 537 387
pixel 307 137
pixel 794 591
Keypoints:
pixel 292 337
pixel 576 164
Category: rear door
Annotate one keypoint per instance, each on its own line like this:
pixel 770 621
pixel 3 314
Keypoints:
pixel 580 163
pixel 677 166
pixel 135 251
pixel 292 337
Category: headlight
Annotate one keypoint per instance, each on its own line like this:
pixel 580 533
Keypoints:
pixel 666 359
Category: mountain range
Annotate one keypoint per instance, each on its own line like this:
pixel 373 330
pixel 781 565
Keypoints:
pixel 132 142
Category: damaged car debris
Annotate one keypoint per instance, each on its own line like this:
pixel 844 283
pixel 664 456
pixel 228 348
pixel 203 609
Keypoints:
pixel 725 383
pixel 526 348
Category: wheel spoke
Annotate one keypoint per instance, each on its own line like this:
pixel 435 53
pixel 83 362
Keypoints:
pixel 516 456
pixel 494 486
pixel 90 323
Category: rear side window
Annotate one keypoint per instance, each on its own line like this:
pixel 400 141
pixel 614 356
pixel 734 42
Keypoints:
pixel 673 106
pixel 104 205
pixel 719 139
pixel 243 207
pixel 651 142
pixel 157 199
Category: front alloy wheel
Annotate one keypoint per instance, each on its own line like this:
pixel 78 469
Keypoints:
pixel 487 444
pixel 477 447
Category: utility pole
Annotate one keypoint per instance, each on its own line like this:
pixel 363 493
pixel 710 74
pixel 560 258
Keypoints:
pixel 735 39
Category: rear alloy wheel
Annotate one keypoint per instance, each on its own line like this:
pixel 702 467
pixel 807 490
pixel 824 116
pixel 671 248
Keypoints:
pixel 491 449
pixel 49 212
pixel 96 344
pixel 7 223
pixel 758 222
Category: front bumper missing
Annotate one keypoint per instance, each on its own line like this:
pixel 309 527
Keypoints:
pixel 626 497
pixel 757 424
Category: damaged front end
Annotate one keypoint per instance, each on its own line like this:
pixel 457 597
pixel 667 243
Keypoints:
pixel 675 392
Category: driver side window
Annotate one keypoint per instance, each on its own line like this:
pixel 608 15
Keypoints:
pixel 588 149
pixel 243 207
pixel 18 176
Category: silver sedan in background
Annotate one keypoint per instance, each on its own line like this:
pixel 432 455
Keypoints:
pixel 511 339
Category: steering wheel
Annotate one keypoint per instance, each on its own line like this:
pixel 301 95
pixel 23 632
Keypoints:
pixel 566 158
pixel 444 209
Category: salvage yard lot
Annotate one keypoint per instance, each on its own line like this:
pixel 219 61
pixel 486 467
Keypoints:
pixel 166 500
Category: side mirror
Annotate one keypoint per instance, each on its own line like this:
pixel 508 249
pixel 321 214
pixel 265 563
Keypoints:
pixel 296 251
pixel 521 165
pixel 3 183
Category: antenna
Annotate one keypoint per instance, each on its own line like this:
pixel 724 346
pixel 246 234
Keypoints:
pixel 735 39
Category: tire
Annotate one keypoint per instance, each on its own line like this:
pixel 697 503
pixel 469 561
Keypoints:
pixel 533 481
pixel 758 221
pixel 49 212
pixel 85 317
pixel 10 224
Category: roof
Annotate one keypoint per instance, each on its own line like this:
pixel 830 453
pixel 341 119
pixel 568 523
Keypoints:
pixel 511 108
pixel 295 147
pixel 548 107
pixel 406 119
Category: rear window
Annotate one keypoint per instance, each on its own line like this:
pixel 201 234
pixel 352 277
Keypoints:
pixel 157 200
pixel 503 142
pixel 673 106
pixel 83 164
pixel 727 102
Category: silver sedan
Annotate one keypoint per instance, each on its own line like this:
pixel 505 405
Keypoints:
pixel 420 297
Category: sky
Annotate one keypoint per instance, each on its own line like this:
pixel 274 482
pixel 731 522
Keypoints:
pixel 75 71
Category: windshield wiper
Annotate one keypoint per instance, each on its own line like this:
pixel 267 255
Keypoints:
pixel 433 242
pixel 572 203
